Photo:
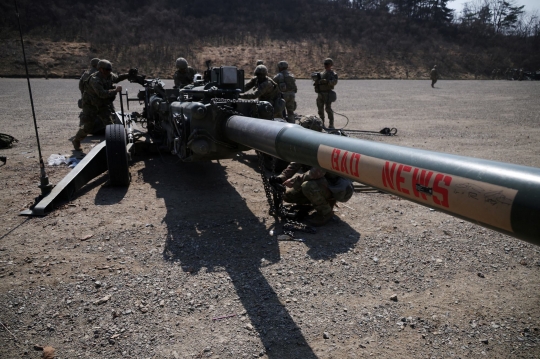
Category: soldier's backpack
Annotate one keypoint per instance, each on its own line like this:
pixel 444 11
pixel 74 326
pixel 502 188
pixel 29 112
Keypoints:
pixel 287 83
pixel 6 140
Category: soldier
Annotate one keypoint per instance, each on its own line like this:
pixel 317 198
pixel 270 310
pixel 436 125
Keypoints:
pixel 407 74
pixel 434 75
pixel 267 90
pixel 324 83
pixel 313 186
pixel 99 94
pixel 87 74
pixel 253 81
pixel 287 85
pixel 184 73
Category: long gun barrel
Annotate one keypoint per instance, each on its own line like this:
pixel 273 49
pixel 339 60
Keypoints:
pixel 496 195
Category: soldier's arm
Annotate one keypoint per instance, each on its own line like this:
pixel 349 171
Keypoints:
pixel 333 79
pixel 290 171
pixel 117 78
pixel 100 91
pixel 250 84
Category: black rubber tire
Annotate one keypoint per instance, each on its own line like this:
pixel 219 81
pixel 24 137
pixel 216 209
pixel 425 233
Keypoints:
pixel 117 156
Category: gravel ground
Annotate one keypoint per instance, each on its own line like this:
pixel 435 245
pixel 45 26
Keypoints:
pixel 182 265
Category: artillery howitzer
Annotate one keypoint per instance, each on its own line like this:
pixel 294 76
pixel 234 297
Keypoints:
pixel 207 121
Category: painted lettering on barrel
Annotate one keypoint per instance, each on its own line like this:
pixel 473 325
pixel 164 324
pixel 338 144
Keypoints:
pixel 345 162
pixel 422 183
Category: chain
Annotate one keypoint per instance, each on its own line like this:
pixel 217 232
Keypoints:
pixel 275 202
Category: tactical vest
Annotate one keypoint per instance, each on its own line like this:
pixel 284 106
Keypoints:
pixel 286 82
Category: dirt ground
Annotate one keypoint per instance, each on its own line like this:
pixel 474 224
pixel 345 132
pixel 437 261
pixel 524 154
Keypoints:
pixel 181 264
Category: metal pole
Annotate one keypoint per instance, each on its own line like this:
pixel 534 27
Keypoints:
pixel 44 180
pixel 496 195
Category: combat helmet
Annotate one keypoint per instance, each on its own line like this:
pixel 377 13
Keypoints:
pixel 181 63
pixel 311 122
pixel 104 64
pixel 329 61
pixel 282 65
pixel 260 62
pixel 261 70
pixel 94 62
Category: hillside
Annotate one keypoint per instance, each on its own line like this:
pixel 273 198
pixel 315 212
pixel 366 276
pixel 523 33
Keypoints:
pixel 366 41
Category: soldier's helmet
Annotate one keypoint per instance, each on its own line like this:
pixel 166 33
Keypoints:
pixel 94 62
pixel 312 122
pixel 260 62
pixel 104 64
pixel 261 70
pixel 329 61
pixel 282 65
pixel 434 66
pixel 181 63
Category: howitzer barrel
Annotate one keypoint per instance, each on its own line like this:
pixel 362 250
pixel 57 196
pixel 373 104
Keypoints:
pixel 496 195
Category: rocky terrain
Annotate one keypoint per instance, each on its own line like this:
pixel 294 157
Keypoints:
pixel 185 262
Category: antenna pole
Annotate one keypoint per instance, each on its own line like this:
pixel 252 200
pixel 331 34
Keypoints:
pixel 45 186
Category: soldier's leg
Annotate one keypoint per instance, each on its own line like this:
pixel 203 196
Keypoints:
pixel 290 105
pixel 296 196
pixel 329 111
pixel 87 117
pixel 320 106
pixel 105 116
pixel 321 198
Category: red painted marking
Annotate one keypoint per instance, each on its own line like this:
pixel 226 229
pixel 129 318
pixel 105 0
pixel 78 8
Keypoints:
pixel 443 192
pixel 388 175
pixel 335 159
pixel 354 162
pixel 400 179
pixel 344 163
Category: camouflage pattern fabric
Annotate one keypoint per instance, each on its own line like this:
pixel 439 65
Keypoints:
pixel 250 84
pixel 267 90
pixel 310 187
pixel 327 82
pixel 85 77
pixel 324 104
pixel 184 77
pixel 97 101
pixel 287 85
pixel 323 86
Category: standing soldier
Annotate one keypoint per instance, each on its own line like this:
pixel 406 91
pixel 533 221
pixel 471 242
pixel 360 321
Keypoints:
pixel 267 90
pixel 184 73
pixel 434 75
pixel 99 94
pixel 287 85
pixel 93 68
pixel 407 74
pixel 324 83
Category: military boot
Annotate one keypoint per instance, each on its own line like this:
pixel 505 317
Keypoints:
pixel 323 215
pixel 77 144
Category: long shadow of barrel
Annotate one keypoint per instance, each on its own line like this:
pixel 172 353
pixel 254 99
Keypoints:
pixel 217 231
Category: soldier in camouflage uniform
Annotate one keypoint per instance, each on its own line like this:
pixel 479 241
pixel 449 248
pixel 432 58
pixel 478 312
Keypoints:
pixel 97 102
pixel 267 90
pixel 184 73
pixel 253 81
pixel 93 68
pixel 307 185
pixel 434 75
pixel 287 85
pixel 324 83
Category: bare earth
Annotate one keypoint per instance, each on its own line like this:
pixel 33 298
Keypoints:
pixel 186 267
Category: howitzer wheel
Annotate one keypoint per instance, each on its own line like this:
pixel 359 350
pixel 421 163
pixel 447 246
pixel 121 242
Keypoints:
pixel 117 156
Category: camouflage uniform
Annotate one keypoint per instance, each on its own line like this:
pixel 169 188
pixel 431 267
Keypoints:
pixel 97 103
pixel 310 185
pixel 287 85
pixel 184 77
pixel 85 77
pixel 434 75
pixel 323 86
pixel 267 90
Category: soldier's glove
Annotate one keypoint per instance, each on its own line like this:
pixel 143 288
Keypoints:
pixel 133 72
pixel 277 183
